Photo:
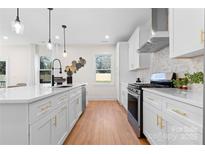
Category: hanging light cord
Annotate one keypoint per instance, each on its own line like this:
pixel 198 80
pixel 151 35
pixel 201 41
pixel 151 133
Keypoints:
pixel 49 25
pixel 64 27
pixel 17 17
pixel 64 40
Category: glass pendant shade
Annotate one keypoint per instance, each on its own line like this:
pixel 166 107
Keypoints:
pixel 65 54
pixel 49 45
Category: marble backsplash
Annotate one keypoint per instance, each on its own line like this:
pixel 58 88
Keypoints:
pixel 160 62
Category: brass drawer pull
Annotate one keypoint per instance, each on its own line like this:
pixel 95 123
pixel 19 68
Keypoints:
pixel 161 123
pixel 157 119
pixel 202 36
pixel 179 112
pixel 46 107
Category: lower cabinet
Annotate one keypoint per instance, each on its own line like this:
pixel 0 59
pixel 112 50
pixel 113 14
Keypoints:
pixel 59 125
pixel 40 132
pixel 124 95
pixel 59 118
pixel 167 121
pixel 153 123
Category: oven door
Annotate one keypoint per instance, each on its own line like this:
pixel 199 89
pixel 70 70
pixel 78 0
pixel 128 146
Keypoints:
pixel 134 111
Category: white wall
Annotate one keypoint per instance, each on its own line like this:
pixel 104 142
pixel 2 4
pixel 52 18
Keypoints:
pixel 20 63
pixel 87 73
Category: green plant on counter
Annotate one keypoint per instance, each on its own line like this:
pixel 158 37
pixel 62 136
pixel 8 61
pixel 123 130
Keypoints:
pixel 179 83
pixel 196 77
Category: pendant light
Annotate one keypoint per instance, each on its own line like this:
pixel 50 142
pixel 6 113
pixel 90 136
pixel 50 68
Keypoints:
pixel 17 26
pixel 64 51
pixel 49 44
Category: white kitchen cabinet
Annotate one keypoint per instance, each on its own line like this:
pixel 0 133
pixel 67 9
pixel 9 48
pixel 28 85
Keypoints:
pixel 137 60
pixel 59 125
pixel 168 121
pixel 75 107
pixel 123 75
pixel 40 132
pixel 124 95
pixel 186 31
pixel 181 134
pixel 153 124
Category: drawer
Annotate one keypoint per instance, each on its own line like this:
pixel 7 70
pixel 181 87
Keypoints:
pixel 75 93
pixel 60 99
pixel 185 113
pixel 152 99
pixel 39 109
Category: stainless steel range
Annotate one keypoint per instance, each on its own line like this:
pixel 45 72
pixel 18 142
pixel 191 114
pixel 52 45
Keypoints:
pixel 135 98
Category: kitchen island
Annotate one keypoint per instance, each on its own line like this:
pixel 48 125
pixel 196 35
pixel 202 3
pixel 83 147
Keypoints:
pixel 39 114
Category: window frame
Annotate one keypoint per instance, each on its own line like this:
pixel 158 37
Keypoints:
pixel 111 68
pixel 44 70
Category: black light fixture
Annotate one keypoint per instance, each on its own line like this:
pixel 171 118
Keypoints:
pixel 64 51
pixel 49 45
pixel 17 26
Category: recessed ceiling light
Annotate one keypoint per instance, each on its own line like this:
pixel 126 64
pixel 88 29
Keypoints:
pixel 57 37
pixel 5 37
pixel 107 37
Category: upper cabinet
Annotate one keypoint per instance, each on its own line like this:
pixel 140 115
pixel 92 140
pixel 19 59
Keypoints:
pixel 186 31
pixel 137 60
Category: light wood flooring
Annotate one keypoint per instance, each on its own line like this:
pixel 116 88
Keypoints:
pixel 103 123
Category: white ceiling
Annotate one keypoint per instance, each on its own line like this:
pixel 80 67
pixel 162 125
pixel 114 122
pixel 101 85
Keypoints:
pixel 85 26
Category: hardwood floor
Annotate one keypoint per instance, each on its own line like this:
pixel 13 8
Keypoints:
pixel 103 123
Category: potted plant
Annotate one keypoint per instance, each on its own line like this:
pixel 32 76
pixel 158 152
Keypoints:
pixel 181 83
pixel 196 80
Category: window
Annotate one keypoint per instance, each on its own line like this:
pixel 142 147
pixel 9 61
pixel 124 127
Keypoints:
pixel 103 68
pixel 2 74
pixel 45 69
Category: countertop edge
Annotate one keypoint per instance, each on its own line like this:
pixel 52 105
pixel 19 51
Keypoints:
pixel 177 98
pixel 32 100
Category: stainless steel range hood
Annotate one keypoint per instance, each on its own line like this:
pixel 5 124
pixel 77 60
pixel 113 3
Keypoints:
pixel 154 34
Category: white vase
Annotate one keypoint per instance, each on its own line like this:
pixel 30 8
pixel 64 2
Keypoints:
pixel 197 87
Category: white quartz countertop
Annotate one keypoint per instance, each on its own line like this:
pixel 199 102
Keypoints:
pixel 30 94
pixel 185 96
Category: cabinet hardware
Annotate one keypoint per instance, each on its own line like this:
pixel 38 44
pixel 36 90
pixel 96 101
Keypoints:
pixel 55 121
pixel 46 107
pixel 202 36
pixel 161 123
pixel 157 120
pixel 179 112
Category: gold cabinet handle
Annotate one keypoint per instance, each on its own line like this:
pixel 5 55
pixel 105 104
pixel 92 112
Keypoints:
pixel 202 36
pixel 157 119
pixel 179 112
pixel 46 107
pixel 55 121
pixel 161 123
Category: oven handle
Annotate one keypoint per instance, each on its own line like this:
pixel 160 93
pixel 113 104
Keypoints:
pixel 133 94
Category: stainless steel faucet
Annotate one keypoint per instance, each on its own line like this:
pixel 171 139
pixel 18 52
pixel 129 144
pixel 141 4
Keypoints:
pixel 53 68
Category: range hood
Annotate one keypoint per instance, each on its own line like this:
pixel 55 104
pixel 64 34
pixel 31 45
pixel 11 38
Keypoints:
pixel 154 34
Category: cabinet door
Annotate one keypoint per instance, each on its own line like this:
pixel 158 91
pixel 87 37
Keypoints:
pixel 153 125
pixel 131 53
pixel 186 32
pixel 59 125
pixel 40 132
pixel 72 113
pixel 79 105
pixel 180 134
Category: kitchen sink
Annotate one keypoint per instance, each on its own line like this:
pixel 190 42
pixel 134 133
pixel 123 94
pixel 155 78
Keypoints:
pixel 64 86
